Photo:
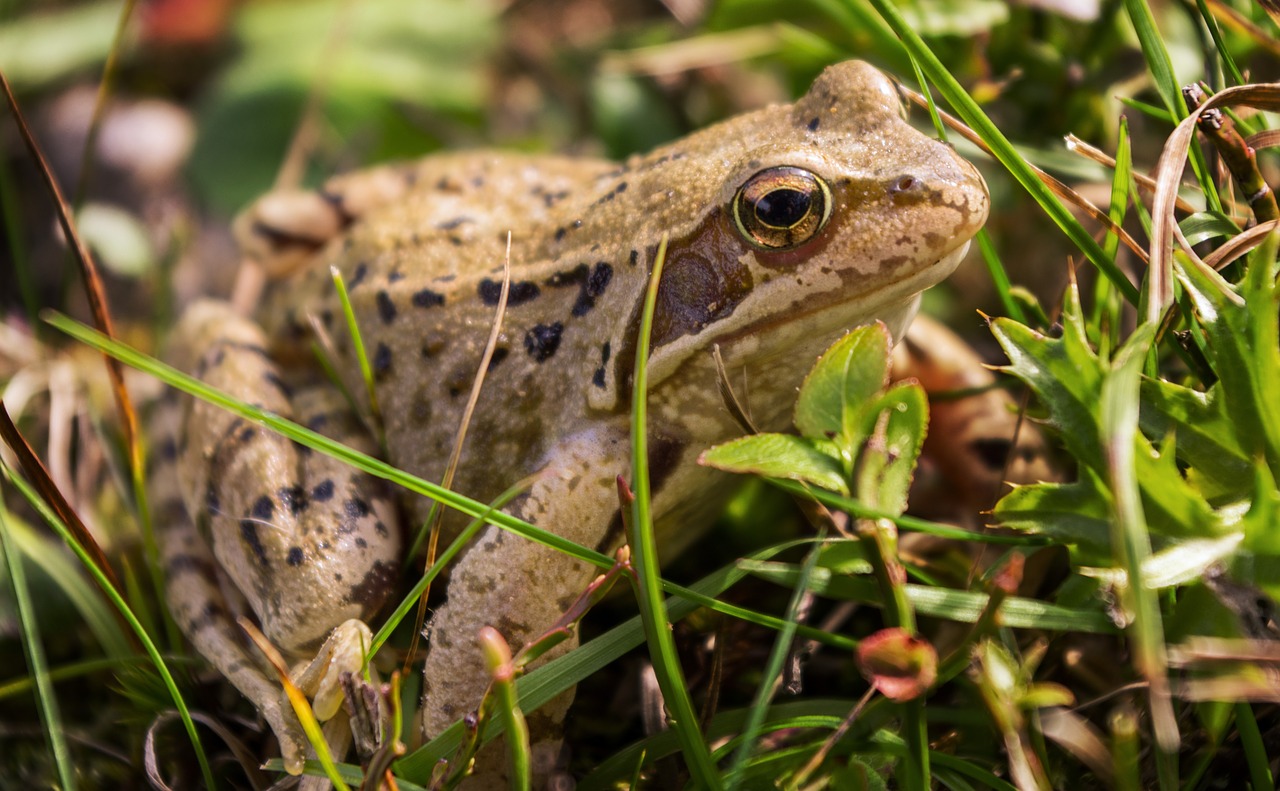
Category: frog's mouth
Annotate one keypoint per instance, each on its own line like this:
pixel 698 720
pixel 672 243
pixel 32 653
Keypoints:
pixel 829 317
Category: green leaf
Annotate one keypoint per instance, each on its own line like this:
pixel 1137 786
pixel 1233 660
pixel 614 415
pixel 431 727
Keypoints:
pixel 900 418
pixel 1077 514
pixel 1244 352
pixel 848 375
pixel 1068 377
pixel 956 605
pixel 1205 432
pixel 1205 225
pixel 779 456
pixel 1064 372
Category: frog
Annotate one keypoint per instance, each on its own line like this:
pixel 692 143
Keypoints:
pixel 785 227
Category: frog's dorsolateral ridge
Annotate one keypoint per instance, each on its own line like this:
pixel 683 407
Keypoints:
pixel 787 226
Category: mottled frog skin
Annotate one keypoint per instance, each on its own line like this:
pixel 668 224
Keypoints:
pixel 787 226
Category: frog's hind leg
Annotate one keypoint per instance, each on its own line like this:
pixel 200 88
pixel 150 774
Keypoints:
pixel 311 543
pixel 195 595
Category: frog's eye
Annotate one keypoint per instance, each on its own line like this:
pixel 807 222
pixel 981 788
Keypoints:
pixel 781 208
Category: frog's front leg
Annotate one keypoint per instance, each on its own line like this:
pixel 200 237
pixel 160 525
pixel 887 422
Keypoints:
pixel 308 542
pixel 520 587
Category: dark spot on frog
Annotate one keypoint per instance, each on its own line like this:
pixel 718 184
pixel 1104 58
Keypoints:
pixel 190 564
pixel 431 347
pixel 664 456
pixel 446 184
pixel 323 491
pixel 318 422
pixel 591 281
pixel 360 542
pixel 635 257
pixel 212 615
pixel 293 498
pixel 249 532
pixel 168 449
pixel 454 224
pixel 263 509
pixel 542 340
pixel 371 591
pixel 420 408
pixel 294 558
pixel 521 292
pixel 381 529
pixel 356 508
pixel 386 308
pixel 560 233
pixel 426 298
pixel 813 124
pixel 357 277
pixel 272 378
pixel 499 354
pixel 381 361
pixel 395 276
pixel 248 433
pixel 617 190
pixel 598 378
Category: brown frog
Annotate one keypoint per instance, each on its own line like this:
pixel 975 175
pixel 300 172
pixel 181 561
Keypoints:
pixel 787 226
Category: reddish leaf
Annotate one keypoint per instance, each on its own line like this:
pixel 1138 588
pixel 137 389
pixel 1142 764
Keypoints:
pixel 900 666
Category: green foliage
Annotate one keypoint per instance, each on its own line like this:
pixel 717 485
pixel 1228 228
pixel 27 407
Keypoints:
pixel 1205 458
pixel 857 435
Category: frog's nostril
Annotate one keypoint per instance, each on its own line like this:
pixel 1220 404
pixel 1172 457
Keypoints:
pixel 904 184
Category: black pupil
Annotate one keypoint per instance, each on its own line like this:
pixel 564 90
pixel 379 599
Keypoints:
pixel 783 207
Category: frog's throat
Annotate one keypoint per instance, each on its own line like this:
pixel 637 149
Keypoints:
pixel 893 301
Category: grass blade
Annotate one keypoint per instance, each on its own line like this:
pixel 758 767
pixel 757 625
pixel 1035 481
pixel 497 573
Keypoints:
pixel 45 698
pixel 683 719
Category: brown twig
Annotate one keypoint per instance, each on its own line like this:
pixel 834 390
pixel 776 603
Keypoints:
pixel 93 283
pixel 1237 154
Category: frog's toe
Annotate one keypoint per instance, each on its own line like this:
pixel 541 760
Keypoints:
pixel 343 652
pixel 284 724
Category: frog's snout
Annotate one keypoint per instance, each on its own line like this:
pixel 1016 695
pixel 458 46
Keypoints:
pixel 949 184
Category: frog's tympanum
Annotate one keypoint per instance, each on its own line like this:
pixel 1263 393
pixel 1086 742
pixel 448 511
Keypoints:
pixel 787 227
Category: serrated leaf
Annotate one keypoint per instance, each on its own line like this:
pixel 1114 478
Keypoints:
pixel 1065 374
pixel 1259 522
pixel 779 456
pixel 888 461
pixel 1067 377
pixel 1245 354
pixel 1205 433
pixel 1077 514
pixel 848 375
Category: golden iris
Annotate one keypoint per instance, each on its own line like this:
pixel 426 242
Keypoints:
pixel 781 208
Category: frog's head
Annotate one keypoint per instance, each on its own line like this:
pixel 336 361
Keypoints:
pixel 831 212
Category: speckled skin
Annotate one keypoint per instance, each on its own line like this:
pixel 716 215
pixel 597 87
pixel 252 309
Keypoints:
pixel 421 249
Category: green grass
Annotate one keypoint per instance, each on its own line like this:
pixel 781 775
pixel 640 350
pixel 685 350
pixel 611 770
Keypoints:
pixel 1155 385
